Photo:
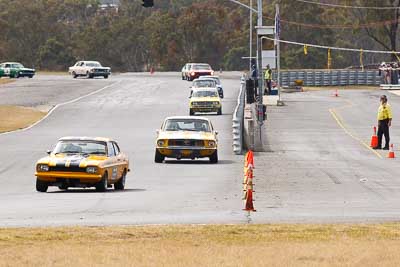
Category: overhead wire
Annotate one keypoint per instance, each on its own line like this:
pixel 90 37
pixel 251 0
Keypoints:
pixel 348 6
pixel 332 47
pixel 339 26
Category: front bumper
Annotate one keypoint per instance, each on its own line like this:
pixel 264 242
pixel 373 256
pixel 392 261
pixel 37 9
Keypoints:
pixel 55 178
pixel 186 152
pixel 26 73
pixel 100 73
pixel 205 109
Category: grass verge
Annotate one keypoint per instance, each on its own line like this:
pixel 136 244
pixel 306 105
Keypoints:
pixel 213 245
pixel 14 117
pixel 6 80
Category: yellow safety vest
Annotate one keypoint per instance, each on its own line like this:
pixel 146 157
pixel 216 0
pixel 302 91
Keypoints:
pixel 384 112
pixel 268 74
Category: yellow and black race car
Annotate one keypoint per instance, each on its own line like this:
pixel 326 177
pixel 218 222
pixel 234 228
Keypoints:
pixel 83 162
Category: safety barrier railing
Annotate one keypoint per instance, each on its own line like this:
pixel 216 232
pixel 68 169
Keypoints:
pixel 329 77
pixel 238 119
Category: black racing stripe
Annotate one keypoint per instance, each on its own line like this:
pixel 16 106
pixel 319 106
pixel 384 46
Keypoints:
pixel 75 163
pixel 61 164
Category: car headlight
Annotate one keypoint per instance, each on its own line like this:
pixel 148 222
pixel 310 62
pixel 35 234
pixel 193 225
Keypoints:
pixel 91 170
pixel 211 143
pixel 160 142
pixel 91 70
pixel 42 168
pixel 216 103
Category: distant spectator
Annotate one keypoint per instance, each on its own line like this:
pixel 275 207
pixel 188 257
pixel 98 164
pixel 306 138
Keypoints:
pixel 395 73
pixel 268 79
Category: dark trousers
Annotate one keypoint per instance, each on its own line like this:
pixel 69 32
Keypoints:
pixel 267 87
pixel 383 129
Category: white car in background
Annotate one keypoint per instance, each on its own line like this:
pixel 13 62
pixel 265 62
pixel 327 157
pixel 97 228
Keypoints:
pixel 217 81
pixel 89 69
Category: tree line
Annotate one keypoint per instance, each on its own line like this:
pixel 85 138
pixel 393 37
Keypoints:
pixel 53 34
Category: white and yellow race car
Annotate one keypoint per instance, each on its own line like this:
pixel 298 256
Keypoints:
pixel 186 138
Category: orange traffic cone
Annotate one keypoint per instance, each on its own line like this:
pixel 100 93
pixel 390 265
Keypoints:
pixel 250 159
pixel 374 139
pixel 391 152
pixel 249 201
pixel 336 93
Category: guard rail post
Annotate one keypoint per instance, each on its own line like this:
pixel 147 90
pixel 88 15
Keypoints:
pixel 238 119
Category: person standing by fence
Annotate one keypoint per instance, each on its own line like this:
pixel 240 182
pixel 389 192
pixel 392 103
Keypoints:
pixel 268 79
pixel 384 122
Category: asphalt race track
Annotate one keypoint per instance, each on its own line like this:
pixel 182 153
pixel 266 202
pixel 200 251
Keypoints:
pixel 129 108
pixel 316 167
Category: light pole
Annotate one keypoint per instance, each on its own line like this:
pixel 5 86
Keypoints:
pixel 251 35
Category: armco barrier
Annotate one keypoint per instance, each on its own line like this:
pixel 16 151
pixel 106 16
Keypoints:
pixel 238 119
pixel 329 77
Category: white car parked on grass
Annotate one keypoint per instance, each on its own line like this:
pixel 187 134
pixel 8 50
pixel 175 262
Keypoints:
pixel 90 69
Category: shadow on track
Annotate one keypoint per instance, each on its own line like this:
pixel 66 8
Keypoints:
pixel 92 190
pixel 198 162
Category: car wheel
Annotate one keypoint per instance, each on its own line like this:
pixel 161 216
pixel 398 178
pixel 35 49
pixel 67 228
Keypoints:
pixel 120 185
pixel 41 186
pixel 183 77
pixel 158 158
pixel 102 185
pixel 214 157
pixel 74 75
pixel 63 187
pixel 219 112
pixel 30 76
pixel 191 112
pixel 88 75
pixel 16 75
pixel 105 76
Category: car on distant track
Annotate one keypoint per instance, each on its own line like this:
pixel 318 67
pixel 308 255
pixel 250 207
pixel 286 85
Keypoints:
pixel 186 137
pixel 199 69
pixel 89 69
pixel 16 70
pixel 218 83
pixel 205 100
pixel 83 162
pixel 185 71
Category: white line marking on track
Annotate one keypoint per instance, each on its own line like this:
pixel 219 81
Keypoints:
pixel 341 124
pixel 60 105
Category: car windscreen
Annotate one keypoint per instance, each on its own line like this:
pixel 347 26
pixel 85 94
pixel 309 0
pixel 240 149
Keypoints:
pixel 204 83
pixel 205 93
pixel 201 67
pixel 17 65
pixel 80 147
pixel 93 64
pixel 194 125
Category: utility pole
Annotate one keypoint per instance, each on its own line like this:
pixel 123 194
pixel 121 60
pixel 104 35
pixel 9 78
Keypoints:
pixel 251 35
pixel 258 136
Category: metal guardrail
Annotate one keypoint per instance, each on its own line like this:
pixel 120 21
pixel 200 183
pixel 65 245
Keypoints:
pixel 238 120
pixel 329 77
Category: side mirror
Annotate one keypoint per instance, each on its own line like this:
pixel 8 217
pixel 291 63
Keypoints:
pixel 157 131
pixel 48 152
